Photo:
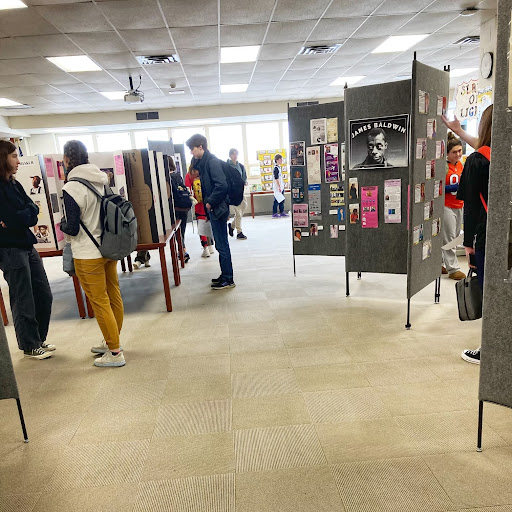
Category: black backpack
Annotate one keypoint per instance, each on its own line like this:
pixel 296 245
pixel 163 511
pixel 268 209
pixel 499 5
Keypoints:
pixel 235 184
pixel 180 192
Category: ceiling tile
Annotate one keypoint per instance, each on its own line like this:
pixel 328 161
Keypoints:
pixel 181 82
pixel 196 37
pixel 344 9
pixel 21 66
pixel 358 47
pixel 278 66
pixel 294 10
pixel 16 48
pixel 377 26
pixel 155 40
pixel 234 12
pixel 235 79
pixel 427 23
pixel 266 77
pixel 165 71
pixel 200 56
pixel 17 80
pixel 467 25
pixel 336 30
pixel 294 31
pixel 132 14
pixel 123 74
pixel 238 67
pixel 99 42
pixel 279 51
pixel 435 42
pixel 201 70
pixel 31 90
pixel 50 45
pixel 79 17
pixel 56 78
pixel 109 86
pixel 309 62
pixel 75 88
pixel 114 60
pixel 189 13
pixel 25 22
pixel 32 100
pixel 401 7
pixel 246 35
pixel 93 77
pixel 452 5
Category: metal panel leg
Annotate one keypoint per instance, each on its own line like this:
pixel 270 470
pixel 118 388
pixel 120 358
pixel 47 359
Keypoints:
pixel 347 284
pixel 408 324
pixel 25 435
pixel 480 421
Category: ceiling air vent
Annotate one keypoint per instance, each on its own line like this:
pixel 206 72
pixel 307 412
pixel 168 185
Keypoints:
pixel 152 60
pixel 468 41
pixel 319 49
pixel 146 116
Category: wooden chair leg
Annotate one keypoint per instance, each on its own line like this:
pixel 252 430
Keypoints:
pixel 3 310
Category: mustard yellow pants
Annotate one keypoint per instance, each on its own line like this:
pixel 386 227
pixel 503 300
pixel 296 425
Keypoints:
pixel 100 282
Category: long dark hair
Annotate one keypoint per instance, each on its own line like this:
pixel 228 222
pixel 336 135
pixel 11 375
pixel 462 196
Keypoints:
pixel 77 154
pixel 485 128
pixel 6 148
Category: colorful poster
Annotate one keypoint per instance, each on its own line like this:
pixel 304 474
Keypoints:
pixel 427 249
pixel 436 189
pixel 333 229
pixel 419 192
pixel 421 148
pixel 430 169
pixel 300 215
pixel 318 129
pixel 379 142
pixel 466 100
pixel 417 234
pixel 341 215
pixel 431 128
pixel 313 162
pixel 337 194
pixel 428 210
pixel 441 105
pixel 297 185
pixel 424 102
pixel 436 226
pixel 393 201
pixel 332 170
pixel 369 212
pixel 314 228
pixel 315 202
pixel 354 213
pixel 297 152
pixel 353 189
pixel 342 161
pixel 266 158
pixel 440 149
pixel 332 129
pixel 297 235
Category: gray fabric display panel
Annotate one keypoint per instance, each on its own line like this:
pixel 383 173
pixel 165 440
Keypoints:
pixel 381 249
pixel 299 122
pixel 8 386
pixel 425 241
pixel 496 358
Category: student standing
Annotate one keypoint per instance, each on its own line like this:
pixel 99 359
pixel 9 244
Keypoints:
pixel 278 187
pixel 240 209
pixel 29 290
pixel 97 275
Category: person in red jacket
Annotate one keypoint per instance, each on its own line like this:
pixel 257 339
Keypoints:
pixel 452 218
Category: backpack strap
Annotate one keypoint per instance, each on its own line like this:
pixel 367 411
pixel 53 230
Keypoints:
pixel 483 202
pixel 92 189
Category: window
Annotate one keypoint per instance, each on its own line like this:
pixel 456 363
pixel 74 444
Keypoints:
pixel 286 135
pixel 85 138
pixel 223 138
pixel 261 136
pixel 142 137
pixel 180 135
pixel 113 141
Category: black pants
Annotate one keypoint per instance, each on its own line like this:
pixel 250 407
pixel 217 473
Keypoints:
pixel 29 294
pixel 183 226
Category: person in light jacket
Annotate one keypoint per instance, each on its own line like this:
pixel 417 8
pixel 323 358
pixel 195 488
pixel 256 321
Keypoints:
pixel 97 275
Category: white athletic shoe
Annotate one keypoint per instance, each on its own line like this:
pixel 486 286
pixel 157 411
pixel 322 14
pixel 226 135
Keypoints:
pixel 48 347
pixel 212 251
pixel 101 348
pixel 137 265
pixel 205 254
pixel 109 359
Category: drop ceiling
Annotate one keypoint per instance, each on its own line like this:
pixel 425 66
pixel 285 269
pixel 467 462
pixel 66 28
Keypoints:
pixel 114 32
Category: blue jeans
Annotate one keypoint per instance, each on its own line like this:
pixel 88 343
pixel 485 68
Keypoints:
pixel 480 264
pixel 220 235
pixel 281 206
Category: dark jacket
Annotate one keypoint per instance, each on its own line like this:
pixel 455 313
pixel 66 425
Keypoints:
pixel 18 212
pixel 243 172
pixel 473 181
pixel 214 186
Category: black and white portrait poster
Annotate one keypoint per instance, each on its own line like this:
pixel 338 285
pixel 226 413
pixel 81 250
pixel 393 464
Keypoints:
pixel 318 129
pixel 379 142
pixel 297 152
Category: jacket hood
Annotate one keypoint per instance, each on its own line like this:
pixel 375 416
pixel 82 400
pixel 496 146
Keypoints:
pixel 89 172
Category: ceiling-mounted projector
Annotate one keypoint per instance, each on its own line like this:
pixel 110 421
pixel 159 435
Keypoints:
pixel 134 95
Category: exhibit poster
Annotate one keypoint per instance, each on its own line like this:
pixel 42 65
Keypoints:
pixel 393 201
pixel 297 153
pixel 298 184
pixel 300 215
pixel 379 142
pixel 427 249
pixel 297 235
pixel 266 158
pixel 353 189
pixel 337 194
pixel 341 215
pixel 369 212
pixel 332 170
pixel 354 213
pixel 313 229
pixel 430 169
pixel 318 129
pixel 332 129
pixel 431 128
pixel 424 102
pixel 428 210
pixel 315 202
pixel 421 148
pixel 333 230
pixel 419 192
pixel 440 148
pixel 417 234
pixel 442 103
pixel 313 162
pixel 436 189
pixel 436 226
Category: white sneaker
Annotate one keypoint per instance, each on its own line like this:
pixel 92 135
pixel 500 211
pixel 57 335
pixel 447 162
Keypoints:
pixel 210 247
pixel 137 265
pixel 37 353
pixel 48 347
pixel 109 359
pixel 147 264
pixel 101 348
pixel 205 254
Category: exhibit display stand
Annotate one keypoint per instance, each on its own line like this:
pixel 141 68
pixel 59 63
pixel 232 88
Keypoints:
pixel 395 168
pixel 496 351
pixel 318 194
pixel 8 385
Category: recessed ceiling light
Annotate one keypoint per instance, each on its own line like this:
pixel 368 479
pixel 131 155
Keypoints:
pixel 114 95
pixel 75 63
pixel 349 80
pixel 11 4
pixel 399 43
pixel 176 91
pixel 461 72
pixel 4 102
pixel 239 54
pixel 233 88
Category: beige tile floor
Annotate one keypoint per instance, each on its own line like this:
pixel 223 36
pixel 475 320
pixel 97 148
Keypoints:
pixel 279 395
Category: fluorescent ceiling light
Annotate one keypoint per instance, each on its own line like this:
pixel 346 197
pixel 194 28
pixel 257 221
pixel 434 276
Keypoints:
pixel 461 72
pixel 177 91
pixel 239 54
pixel 399 43
pixel 4 102
pixel 199 122
pixel 75 63
pixel 234 87
pixel 114 95
pixel 349 80
pixel 11 4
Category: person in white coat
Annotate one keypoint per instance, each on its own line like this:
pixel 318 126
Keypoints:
pixel 97 275
pixel 278 187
